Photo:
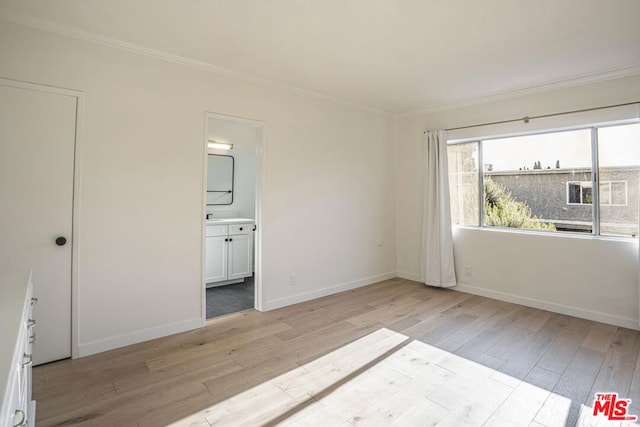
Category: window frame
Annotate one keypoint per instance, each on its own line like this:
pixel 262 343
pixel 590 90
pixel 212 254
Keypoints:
pixel 595 180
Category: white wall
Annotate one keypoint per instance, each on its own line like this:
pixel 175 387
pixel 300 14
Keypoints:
pixel 244 138
pixel 328 185
pixel 593 278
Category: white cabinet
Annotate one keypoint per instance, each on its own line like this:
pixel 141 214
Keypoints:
pixel 239 256
pixel 228 252
pixel 16 331
pixel 215 249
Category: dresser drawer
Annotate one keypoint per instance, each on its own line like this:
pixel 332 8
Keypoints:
pixel 235 229
pixel 16 326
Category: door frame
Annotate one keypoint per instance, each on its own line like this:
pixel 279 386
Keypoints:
pixel 77 175
pixel 260 174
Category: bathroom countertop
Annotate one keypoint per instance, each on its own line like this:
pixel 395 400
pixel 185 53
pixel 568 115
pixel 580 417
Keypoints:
pixel 222 221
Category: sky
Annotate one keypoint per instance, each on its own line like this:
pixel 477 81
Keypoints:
pixel 618 146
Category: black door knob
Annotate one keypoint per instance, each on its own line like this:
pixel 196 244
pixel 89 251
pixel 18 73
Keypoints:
pixel 61 241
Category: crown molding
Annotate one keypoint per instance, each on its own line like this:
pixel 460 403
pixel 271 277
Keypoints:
pixel 531 90
pixel 45 25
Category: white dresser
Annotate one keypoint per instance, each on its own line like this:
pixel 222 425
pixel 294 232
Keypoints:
pixel 16 342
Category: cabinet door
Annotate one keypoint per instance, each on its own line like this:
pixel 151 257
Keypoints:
pixel 215 266
pixel 240 256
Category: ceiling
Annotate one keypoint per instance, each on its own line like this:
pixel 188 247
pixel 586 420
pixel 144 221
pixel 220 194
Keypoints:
pixel 398 56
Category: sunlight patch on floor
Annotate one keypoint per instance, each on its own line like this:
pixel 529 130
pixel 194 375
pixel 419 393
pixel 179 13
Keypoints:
pixel 385 379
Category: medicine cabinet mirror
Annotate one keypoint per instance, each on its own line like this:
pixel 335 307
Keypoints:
pixel 219 179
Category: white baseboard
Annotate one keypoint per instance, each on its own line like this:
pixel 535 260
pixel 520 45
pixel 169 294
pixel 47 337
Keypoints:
pixel 174 328
pixel 99 346
pixel 295 299
pixel 408 276
pixel 596 316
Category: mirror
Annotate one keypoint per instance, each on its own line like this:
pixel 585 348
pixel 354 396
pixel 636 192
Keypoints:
pixel 219 179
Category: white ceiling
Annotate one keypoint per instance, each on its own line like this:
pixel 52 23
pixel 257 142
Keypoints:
pixel 394 55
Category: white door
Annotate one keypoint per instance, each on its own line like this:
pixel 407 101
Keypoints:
pixel 37 145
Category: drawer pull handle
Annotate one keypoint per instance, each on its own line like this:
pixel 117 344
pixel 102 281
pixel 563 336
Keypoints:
pixel 23 418
pixel 28 359
pixel 31 322
pixel 32 339
pixel 231 240
pixel 240 228
pixel 34 301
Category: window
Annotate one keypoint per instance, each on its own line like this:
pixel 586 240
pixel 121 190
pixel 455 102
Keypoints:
pixel 546 181
pixel 580 193
pixel 613 193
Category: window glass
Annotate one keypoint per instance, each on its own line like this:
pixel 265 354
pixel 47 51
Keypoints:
pixel 463 183
pixel 574 193
pixel 618 190
pixel 619 165
pixel 539 182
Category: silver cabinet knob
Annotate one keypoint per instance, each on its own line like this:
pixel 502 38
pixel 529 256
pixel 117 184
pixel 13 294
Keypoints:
pixel 28 359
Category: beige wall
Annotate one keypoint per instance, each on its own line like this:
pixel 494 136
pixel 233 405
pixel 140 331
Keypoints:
pixel 333 189
pixel 588 277
pixel 328 185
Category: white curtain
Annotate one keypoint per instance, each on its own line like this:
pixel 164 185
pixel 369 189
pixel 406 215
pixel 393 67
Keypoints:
pixel 437 241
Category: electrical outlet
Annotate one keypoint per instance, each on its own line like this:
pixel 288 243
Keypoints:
pixel 468 271
pixel 292 279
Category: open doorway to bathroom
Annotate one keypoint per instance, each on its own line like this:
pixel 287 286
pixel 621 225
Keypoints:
pixel 231 249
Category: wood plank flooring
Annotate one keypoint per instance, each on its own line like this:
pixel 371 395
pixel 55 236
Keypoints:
pixel 392 353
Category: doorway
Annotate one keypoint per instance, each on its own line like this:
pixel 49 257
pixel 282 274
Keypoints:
pixel 37 166
pixel 232 215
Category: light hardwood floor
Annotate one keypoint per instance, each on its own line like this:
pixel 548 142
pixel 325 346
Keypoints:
pixel 392 353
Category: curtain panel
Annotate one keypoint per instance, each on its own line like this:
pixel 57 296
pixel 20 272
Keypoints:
pixel 437 240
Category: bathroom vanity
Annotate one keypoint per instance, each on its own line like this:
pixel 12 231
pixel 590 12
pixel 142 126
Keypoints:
pixel 228 250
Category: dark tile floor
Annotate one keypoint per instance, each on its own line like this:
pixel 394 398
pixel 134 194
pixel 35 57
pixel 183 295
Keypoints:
pixel 227 299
